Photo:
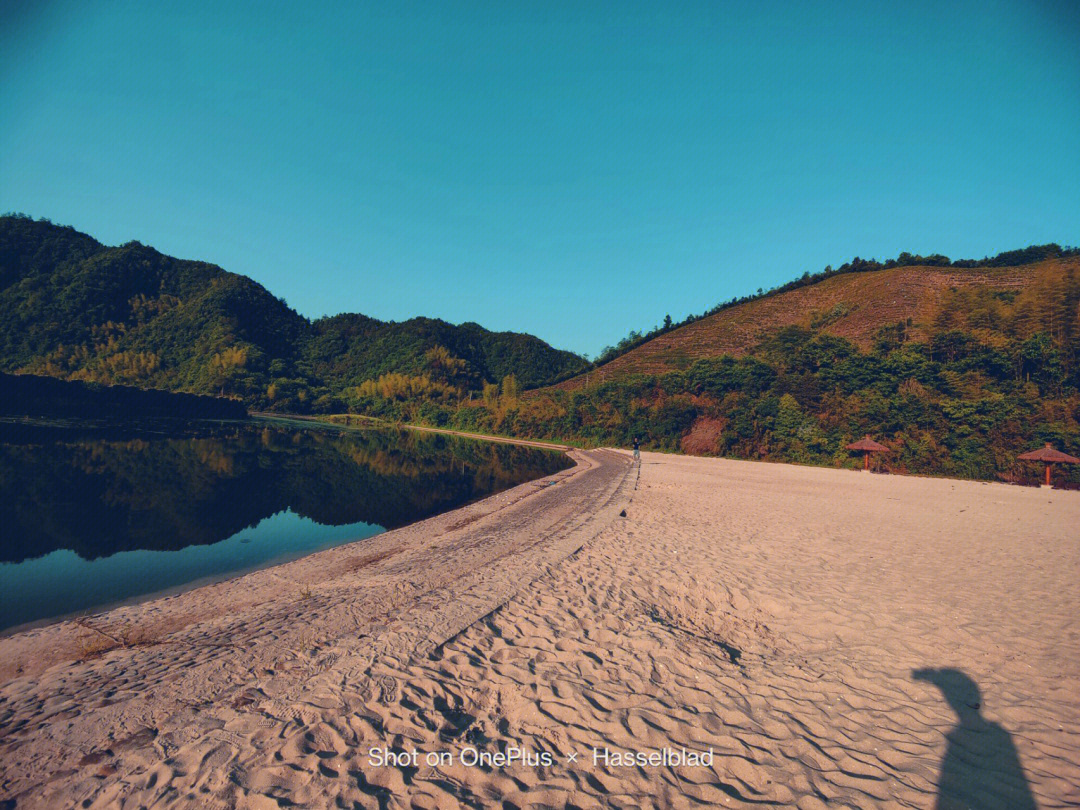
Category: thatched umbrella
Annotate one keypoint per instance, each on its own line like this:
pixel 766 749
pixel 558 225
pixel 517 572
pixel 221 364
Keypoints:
pixel 1050 457
pixel 867 446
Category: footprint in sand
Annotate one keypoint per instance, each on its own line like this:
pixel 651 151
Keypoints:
pixel 388 690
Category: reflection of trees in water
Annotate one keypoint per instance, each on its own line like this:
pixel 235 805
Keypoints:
pixel 98 497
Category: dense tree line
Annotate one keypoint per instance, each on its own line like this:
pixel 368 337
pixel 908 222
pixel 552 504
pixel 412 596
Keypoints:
pixel 963 404
pixel 23 395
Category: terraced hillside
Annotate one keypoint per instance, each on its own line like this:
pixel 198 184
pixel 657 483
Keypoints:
pixel 855 306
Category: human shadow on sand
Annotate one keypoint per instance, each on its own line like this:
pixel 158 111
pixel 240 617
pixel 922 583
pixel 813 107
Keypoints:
pixel 981 769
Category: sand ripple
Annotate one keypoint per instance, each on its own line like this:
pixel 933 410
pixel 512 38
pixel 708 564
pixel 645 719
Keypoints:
pixel 774 614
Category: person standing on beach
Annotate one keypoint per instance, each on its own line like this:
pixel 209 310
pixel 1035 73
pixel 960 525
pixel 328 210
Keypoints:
pixel 637 450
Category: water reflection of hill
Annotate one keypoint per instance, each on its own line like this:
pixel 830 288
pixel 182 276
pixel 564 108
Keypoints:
pixel 98 496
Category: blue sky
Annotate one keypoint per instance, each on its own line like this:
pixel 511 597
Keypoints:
pixel 573 170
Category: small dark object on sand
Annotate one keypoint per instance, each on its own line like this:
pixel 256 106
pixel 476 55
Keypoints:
pixel 622 513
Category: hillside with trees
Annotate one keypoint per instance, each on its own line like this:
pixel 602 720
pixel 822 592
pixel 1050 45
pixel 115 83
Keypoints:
pixel 78 310
pixel 855 300
pixel 957 366
pixel 957 369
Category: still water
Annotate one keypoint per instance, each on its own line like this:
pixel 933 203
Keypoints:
pixel 89 519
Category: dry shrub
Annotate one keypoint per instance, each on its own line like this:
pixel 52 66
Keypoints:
pixel 703 438
pixel 91 645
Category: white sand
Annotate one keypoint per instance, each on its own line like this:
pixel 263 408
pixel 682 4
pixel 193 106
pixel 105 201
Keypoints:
pixel 774 614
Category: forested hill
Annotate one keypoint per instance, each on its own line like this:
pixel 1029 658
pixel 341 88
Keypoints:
pixel 957 367
pixel 73 308
pixel 995 300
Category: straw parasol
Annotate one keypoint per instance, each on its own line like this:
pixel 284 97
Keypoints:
pixel 867 446
pixel 1050 457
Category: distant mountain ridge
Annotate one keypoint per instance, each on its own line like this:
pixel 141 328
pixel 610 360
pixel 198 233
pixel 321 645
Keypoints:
pixel 73 308
pixel 995 301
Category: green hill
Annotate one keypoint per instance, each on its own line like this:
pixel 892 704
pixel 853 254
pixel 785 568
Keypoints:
pixel 957 367
pixel 999 299
pixel 354 348
pixel 76 309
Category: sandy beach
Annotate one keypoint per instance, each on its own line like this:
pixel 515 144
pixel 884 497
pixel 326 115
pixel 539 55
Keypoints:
pixel 690 633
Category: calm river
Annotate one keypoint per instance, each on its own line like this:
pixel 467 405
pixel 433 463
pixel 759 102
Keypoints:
pixel 89 519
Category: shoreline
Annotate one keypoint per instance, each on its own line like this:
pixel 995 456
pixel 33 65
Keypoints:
pixel 808 627
pixel 166 593
pixel 380 424
pixel 282 560
pixel 543 444
pixel 243 589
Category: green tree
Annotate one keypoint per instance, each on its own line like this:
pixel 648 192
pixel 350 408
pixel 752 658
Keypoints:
pixel 510 390
pixel 789 417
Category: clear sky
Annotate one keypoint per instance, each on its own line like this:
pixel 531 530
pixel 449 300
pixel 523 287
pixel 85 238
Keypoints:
pixel 574 170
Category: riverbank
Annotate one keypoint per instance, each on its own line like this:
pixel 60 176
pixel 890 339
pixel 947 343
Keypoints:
pixel 807 627
pixel 163 668
pixel 359 422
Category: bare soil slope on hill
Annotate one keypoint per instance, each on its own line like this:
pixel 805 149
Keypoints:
pixel 852 306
